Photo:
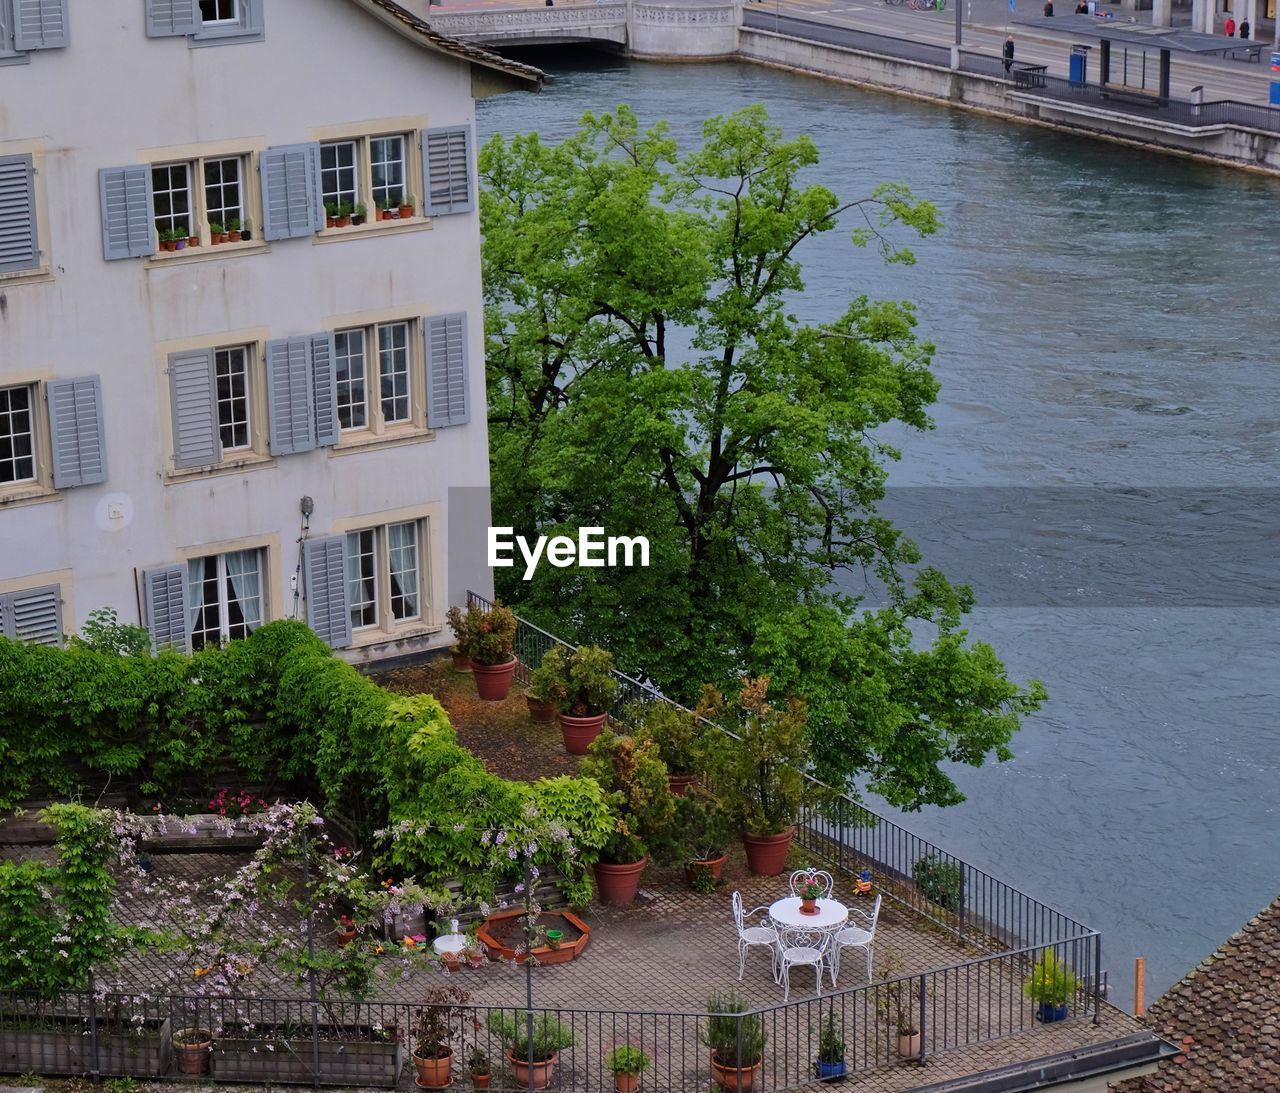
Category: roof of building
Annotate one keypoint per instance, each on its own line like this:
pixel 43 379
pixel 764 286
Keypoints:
pixel 418 30
pixel 1225 1018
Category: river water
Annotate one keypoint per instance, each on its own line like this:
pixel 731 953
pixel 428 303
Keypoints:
pixel 1102 471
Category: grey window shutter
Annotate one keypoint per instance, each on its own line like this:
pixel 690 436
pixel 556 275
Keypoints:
pixel 446 340
pixel 76 427
pixel 19 247
pixel 249 29
pixel 324 564
pixel 446 169
pixel 164 605
pixel 290 191
pixel 40 24
pixel 35 615
pixel 195 411
pixel 290 396
pixel 171 18
pixel 324 380
pixel 125 193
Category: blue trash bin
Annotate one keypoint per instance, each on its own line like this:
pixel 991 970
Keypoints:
pixel 1079 65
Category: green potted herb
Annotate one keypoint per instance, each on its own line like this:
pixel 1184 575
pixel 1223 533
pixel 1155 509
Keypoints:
pixel 627 1063
pixel 385 207
pixel 532 1045
pixel 345 209
pixel 406 207
pixel 360 212
pixel 331 214
pixel 246 229
pixel 488 638
pixel 584 687
pixel 217 234
pixel 1051 986
pixel 233 231
pixel 830 1064
pixel 479 1069
pixel 736 1038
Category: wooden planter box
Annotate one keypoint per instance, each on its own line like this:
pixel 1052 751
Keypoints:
pixel 69 1049
pixel 212 833
pixel 543 954
pixel 275 1058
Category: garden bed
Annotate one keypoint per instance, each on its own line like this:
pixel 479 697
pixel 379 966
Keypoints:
pixel 355 1055
pixel 503 933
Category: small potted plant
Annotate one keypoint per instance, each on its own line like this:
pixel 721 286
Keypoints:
pixel 627 1063
pixel 331 214
pixel 532 1058
pixel 345 209
pixel 360 212
pixel 406 207
pixel 193 1047
pixel 896 1001
pixel 217 234
pixel 345 930
pixel 479 1068
pixel 542 692
pixel 179 236
pixel 584 687
pixel 166 239
pixel 233 231
pixel 385 208
pixel 488 638
pixel 736 1038
pixel 461 662
pixel 434 1028
pixel 1051 987
pixel 246 230
pixel 193 240
pixel 830 1064
pixel 809 891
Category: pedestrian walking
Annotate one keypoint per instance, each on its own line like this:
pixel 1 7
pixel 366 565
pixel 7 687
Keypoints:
pixel 1082 8
pixel 1048 7
pixel 1244 28
pixel 1008 54
pixel 1230 28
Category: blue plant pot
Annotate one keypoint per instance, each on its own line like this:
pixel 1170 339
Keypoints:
pixel 1049 1012
pixel 827 1071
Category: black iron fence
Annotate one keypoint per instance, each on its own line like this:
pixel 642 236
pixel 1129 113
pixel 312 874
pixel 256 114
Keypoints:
pixel 295 1041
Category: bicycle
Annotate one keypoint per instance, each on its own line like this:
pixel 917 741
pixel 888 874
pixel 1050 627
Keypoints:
pixel 927 5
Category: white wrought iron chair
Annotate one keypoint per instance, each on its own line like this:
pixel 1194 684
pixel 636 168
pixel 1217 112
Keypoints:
pixel 799 947
pixel 754 928
pixel 821 878
pixel 861 934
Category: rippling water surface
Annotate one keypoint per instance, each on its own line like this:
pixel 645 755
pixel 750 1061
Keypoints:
pixel 1104 318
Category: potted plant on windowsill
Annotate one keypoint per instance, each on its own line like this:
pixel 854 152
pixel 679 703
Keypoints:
pixel 758 776
pixel 627 1063
pixel 584 687
pixel 359 213
pixel 1051 987
pixel 830 1064
pixel 217 234
pixel 345 209
pixel 532 1057
pixel 479 1069
pixel 406 207
pixel 488 638
pixel 246 230
pixel 233 231
pixel 165 236
pixel 385 207
pixel 330 214
pixel 435 1026
pixel 635 780
pixel 736 1039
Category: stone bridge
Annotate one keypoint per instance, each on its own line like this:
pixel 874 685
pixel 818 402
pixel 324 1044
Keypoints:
pixel 639 28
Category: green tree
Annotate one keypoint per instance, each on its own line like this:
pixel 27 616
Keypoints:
pixel 645 375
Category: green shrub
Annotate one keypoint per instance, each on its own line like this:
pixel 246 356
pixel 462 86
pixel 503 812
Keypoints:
pixel 940 881
pixel 1051 982
pixel 512 1028
pixel 735 1037
pixel 627 1059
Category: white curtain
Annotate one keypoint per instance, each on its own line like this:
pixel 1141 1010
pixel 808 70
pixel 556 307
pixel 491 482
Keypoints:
pixel 195 593
pixel 402 539
pixel 246 585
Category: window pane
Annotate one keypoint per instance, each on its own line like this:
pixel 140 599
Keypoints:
pixel 231 367
pixel 202 592
pixel 348 346
pixel 242 588
pixel 218 11
pixel 386 164
pixel 362 585
pixel 393 371
pixel 17 441
pixel 338 172
pixel 222 203
pixel 402 551
pixel 172 198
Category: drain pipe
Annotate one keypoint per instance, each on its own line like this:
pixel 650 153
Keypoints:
pixel 1197 98
pixel 1140 977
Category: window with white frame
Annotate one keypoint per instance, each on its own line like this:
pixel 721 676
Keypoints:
pixel 188 197
pixel 218 404
pixel 377 172
pixel 215 12
pixel 385 575
pixel 376 369
pixel 224 596
pixel 17 435
pixel 231 375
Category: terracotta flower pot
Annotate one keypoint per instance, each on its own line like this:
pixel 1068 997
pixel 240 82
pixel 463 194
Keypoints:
pixel 233 237
pixel 808 906
pixel 481 1081
pixel 461 662
pixel 542 1071
pixel 192 1046
pixel 909 1045
pixel 767 854
pixel 345 937
pixel 732 1077
pixel 712 865
pixel 625 1083
pixel 330 221
pixel 680 783
pixel 406 211
pixel 434 1073
pixel 541 712
pixel 493 681
pixel 617 885
pixel 578 732
pixel 343 222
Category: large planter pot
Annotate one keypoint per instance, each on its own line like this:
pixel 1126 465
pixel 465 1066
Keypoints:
pixel 191 1048
pixel 909 1045
pixel 541 712
pixel 434 1073
pixel 767 854
pixel 625 1083
pixel 493 681
pixel 617 885
pixel 732 1077
pixel 714 866
pixel 1048 1012
pixel 481 1081
pixel 679 783
pixel 542 1071
pixel 578 732
pixel 349 1056
pixel 829 1072
pixel 61 1045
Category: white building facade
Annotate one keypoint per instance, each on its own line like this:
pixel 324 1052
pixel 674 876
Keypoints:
pixel 241 326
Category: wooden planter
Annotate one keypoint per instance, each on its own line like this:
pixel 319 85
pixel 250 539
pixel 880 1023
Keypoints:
pixel 212 833
pixel 273 1058
pixel 68 1049
pixel 543 954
